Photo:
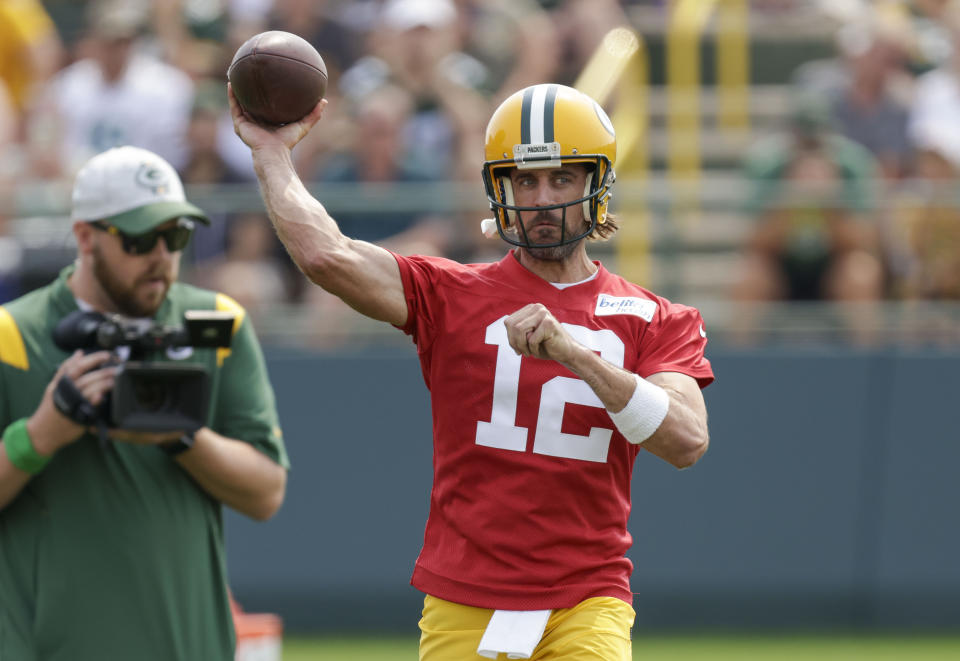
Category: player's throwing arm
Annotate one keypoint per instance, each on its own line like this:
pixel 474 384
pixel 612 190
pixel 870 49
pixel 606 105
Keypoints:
pixel 365 276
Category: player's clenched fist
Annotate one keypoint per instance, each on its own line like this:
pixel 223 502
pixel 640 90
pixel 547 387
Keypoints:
pixel 534 331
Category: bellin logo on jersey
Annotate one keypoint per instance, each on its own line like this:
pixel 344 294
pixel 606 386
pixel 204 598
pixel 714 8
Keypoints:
pixel 638 307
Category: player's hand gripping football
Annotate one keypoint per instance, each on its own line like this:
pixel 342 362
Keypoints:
pixel 534 331
pixel 257 136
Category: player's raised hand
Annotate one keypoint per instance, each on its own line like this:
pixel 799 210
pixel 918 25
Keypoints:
pixel 533 331
pixel 258 136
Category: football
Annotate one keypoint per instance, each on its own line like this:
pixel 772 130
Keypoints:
pixel 277 77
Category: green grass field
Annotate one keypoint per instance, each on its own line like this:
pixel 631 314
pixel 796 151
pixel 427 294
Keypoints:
pixel 659 648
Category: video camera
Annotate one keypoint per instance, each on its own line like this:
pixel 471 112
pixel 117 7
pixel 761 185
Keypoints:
pixel 149 395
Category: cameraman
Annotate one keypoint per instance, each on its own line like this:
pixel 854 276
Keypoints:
pixel 114 549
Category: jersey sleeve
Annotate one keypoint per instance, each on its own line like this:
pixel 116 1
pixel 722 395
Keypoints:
pixel 420 276
pixel 245 406
pixel 675 342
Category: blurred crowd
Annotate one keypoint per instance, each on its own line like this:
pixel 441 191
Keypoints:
pixel 855 200
pixel 413 84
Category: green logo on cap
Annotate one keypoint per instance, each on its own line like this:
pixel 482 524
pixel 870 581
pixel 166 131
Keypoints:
pixel 152 177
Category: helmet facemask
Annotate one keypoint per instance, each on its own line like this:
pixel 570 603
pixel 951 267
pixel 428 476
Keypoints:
pixel 596 195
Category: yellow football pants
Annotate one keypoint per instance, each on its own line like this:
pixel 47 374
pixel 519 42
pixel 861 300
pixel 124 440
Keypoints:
pixel 596 629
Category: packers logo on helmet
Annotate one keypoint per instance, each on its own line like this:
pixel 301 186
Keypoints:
pixel 544 126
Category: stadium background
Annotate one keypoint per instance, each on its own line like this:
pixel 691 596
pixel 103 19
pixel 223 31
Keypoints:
pixel 827 502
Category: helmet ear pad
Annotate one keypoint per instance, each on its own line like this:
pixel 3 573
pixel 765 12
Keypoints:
pixel 506 193
pixel 594 206
pixel 602 182
pixel 589 204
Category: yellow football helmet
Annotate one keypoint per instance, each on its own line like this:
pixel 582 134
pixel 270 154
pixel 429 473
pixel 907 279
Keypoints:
pixel 543 126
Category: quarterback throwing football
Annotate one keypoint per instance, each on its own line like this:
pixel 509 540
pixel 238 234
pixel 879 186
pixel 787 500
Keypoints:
pixel 548 374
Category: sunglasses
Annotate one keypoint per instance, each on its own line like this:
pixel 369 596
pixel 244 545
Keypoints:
pixel 175 237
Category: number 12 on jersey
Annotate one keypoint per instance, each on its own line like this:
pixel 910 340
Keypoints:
pixel 503 433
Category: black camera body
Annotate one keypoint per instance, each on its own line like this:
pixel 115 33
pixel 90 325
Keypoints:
pixel 149 395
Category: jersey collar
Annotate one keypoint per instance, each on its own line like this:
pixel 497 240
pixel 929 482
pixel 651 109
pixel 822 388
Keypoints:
pixel 523 278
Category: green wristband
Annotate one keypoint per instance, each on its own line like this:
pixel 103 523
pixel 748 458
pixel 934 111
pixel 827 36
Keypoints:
pixel 20 450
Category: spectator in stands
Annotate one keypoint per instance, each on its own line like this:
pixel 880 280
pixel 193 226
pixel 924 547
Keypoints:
pixel 249 271
pixel 205 165
pixel 931 222
pixel 188 34
pixel 339 41
pixel 319 22
pixel 114 94
pixel 379 157
pixel 928 220
pixel 416 47
pixel 936 101
pixel 581 26
pixel 10 251
pixel 8 137
pixel 514 42
pixel 30 52
pixel 376 159
pixel 816 237
pixel 868 86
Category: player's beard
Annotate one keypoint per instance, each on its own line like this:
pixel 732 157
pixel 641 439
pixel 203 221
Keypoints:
pixel 123 294
pixel 555 253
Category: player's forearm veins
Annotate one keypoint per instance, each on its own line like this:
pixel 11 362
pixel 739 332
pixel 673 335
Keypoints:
pixel 612 385
pixel 301 222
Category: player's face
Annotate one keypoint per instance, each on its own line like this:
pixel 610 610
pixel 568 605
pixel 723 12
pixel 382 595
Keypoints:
pixel 136 284
pixel 547 187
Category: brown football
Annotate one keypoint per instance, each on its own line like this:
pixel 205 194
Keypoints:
pixel 277 77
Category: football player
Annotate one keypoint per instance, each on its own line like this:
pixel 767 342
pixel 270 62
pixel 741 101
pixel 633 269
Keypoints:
pixel 548 374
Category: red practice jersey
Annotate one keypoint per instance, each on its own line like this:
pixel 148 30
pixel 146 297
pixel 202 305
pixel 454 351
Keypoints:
pixel 531 488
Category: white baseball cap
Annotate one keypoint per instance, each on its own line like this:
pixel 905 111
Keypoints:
pixel 407 14
pixel 132 189
pixel 939 133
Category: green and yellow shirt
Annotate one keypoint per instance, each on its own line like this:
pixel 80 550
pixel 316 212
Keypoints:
pixel 112 551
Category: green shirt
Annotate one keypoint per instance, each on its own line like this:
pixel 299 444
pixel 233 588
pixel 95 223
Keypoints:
pixel 112 552
pixel 767 163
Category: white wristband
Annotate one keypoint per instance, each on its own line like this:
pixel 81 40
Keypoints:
pixel 644 413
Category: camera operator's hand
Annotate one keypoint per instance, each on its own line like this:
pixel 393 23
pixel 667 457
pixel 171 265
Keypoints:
pixel 49 429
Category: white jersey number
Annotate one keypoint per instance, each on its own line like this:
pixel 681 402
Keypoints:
pixel 502 431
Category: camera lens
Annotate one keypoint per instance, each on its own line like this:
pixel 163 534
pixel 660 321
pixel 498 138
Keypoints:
pixel 153 396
